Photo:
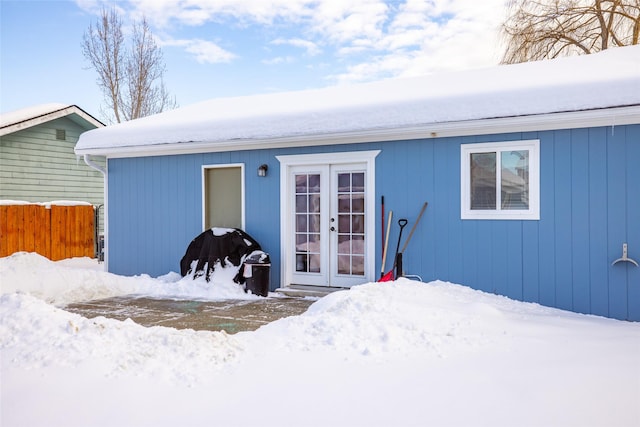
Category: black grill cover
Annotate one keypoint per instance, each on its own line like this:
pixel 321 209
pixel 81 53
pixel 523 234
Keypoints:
pixel 217 245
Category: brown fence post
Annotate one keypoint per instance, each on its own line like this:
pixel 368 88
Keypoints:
pixel 42 231
pixel 58 224
pixel 29 214
pixel 11 234
pixel 4 231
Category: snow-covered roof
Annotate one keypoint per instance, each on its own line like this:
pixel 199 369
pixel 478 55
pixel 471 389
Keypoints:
pixel 24 118
pixel 427 106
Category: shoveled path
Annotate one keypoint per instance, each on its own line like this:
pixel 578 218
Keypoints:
pixel 229 315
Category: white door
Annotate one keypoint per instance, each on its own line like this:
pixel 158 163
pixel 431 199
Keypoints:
pixel 329 225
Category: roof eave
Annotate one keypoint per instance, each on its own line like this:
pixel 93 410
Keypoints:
pixel 611 116
pixel 52 115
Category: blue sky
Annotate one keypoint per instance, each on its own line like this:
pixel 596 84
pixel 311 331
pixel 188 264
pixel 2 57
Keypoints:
pixel 220 48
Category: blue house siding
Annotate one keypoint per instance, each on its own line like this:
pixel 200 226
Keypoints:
pixel 590 205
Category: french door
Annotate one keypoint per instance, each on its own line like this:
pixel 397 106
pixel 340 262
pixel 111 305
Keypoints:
pixel 329 224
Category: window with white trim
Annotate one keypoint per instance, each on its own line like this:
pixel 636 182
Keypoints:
pixel 500 180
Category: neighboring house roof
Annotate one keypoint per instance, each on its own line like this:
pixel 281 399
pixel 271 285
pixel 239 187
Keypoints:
pixel 27 117
pixel 467 102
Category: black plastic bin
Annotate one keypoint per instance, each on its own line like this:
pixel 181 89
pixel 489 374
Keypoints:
pixel 257 270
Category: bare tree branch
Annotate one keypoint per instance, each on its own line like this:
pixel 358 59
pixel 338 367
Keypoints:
pixel 550 28
pixel 132 80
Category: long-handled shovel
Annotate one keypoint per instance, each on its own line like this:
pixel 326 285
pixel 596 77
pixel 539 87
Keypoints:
pixel 389 276
pixel 398 258
pixel 399 272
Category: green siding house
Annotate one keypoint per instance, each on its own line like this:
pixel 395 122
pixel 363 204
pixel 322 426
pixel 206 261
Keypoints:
pixel 37 159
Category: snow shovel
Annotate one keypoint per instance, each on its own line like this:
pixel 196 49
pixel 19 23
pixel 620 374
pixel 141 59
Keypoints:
pixel 399 272
pixel 389 276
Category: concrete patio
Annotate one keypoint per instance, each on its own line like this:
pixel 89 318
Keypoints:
pixel 229 315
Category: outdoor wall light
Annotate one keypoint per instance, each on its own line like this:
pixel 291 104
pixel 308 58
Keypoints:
pixel 262 170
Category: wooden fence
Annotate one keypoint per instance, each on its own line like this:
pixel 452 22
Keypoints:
pixel 54 231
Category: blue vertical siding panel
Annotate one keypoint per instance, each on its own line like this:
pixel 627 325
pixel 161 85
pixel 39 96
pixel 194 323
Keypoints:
pixel 580 220
pixel 262 202
pixel 547 223
pixel 598 260
pixel 633 215
pixel 514 260
pixel 426 245
pixel 441 211
pixel 184 206
pixel 530 261
pixel 563 232
pixel 173 230
pixel 114 215
pixel 617 224
pixel 530 250
pixel 469 252
pixel 470 258
pixel 453 225
pixel 420 166
pixel 454 222
pixel 414 197
pixel 147 220
pixel 484 247
pixel 499 260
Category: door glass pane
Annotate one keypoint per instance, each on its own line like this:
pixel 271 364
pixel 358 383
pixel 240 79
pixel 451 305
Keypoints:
pixel 301 203
pixel 301 184
pixel 314 203
pixel 357 203
pixel 307 226
pixel 344 223
pixel 351 215
pixel 357 183
pixel 357 265
pixel 514 179
pixel 301 223
pixel 483 181
pixel 314 223
pixel 314 183
pixel 344 203
pixel 357 224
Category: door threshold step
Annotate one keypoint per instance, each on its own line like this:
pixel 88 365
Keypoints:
pixel 307 291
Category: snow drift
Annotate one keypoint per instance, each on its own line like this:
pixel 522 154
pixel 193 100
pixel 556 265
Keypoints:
pixel 397 353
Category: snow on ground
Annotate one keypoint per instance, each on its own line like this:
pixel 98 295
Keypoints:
pixel 387 354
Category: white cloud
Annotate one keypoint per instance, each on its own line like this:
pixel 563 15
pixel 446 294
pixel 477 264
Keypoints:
pixel 205 52
pixel 370 39
pixel 279 60
pixel 311 48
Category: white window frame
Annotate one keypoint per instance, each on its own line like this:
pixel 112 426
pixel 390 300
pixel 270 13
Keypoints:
pixel 533 213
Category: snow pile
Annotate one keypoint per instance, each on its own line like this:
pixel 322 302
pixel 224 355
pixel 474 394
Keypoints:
pixel 37 335
pixel 64 283
pixel 399 318
pixel 398 353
